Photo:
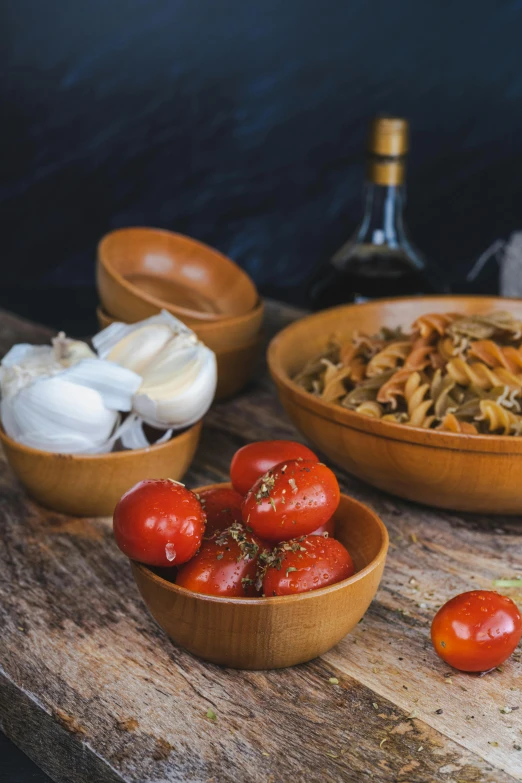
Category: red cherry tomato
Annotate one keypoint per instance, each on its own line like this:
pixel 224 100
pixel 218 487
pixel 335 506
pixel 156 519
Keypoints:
pixel 253 460
pixel 226 564
pixel 159 522
pixel 222 507
pixel 306 564
pixel 292 499
pixel 328 527
pixel 476 631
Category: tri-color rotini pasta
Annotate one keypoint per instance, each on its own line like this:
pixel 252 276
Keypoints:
pixel 450 372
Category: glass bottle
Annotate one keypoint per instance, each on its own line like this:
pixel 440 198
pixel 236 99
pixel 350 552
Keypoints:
pixel 379 260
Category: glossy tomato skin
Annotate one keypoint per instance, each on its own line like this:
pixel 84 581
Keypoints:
pixel 476 631
pixel 328 527
pixel 159 522
pixel 222 507
pixel 226 564
pixel 306 564
pixel 292 499
pixel 253 460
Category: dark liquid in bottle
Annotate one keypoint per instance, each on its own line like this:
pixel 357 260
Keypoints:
pixel 373 276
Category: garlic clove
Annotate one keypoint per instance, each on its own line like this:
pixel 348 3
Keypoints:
pixel 138 349
pixel 116 385
pixel 178 398
pixel 55 415
pixel 155 332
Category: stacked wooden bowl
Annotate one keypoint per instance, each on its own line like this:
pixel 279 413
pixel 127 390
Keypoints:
pixel 141 271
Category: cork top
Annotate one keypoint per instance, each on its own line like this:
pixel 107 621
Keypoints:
pixel 388 136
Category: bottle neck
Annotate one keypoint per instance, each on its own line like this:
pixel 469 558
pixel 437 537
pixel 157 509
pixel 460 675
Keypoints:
pixel 382 222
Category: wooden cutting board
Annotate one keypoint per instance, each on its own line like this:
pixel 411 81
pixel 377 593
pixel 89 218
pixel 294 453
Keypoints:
pixel 93 690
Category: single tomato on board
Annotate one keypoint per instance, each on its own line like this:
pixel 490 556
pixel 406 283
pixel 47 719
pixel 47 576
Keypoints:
pixel 222 507
pixel 159 522
pixel 226 564
pixel 305 564
pixel 253 460
pixel 292 499
pixel 476 631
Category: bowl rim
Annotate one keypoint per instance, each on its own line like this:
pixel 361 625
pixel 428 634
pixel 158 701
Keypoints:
pixel 233 320
pixel 111 455
pixel 499 445
pixel 252 343
pixel 270 600
pixel 197 315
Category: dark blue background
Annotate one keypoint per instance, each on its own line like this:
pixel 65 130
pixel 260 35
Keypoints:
pixel 242 123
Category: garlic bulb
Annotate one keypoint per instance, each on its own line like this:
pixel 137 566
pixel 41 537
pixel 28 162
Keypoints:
pixel 179 372
pixel 65 398
pixel 54 400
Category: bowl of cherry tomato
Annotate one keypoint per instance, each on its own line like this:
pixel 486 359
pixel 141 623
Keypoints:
pixel 270 570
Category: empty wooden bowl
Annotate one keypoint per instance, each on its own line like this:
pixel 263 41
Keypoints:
pixel 480 473
pixel 235 366
pixel 142 270
pixel 220 335
pixel 91 485
pixel 270 633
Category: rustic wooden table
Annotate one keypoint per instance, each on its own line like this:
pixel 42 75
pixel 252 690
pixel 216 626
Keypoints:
pixel 93 690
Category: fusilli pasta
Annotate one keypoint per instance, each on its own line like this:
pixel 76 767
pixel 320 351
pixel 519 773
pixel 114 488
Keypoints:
pixel 453 373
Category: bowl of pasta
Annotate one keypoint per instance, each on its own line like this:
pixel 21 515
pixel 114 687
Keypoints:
pixel 420 397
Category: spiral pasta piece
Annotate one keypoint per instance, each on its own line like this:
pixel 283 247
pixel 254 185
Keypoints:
pixel 498 418
pixel 434 323
pixel 482 376
pixel 420 354
pixel 388 358
pixel 418 406
pixel 447 349
pixel 372 409
pixel 441 388
pixel 397 418
pixel 393 388
pixel 450 423
pixel 333 380
pixel 495 355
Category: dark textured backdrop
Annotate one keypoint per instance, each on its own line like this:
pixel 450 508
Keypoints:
pixel 242 123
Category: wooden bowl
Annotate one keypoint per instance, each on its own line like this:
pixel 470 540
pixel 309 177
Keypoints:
pixel 481 473
pixel 142 270
pixel 225 334
pixel 91 485
pixel 269 633
pixel 235 368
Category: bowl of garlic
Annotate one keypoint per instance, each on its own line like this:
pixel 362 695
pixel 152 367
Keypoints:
pixel 81 426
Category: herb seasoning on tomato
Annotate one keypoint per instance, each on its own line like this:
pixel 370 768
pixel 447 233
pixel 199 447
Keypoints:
pixel 305 564
pixel 292 499
pixel 255 459
pixel 226 564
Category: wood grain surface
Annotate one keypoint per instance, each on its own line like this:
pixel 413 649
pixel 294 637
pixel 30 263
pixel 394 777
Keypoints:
pixel 92 689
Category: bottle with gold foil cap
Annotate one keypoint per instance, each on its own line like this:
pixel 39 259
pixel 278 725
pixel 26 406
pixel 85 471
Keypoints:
pixel 379 260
